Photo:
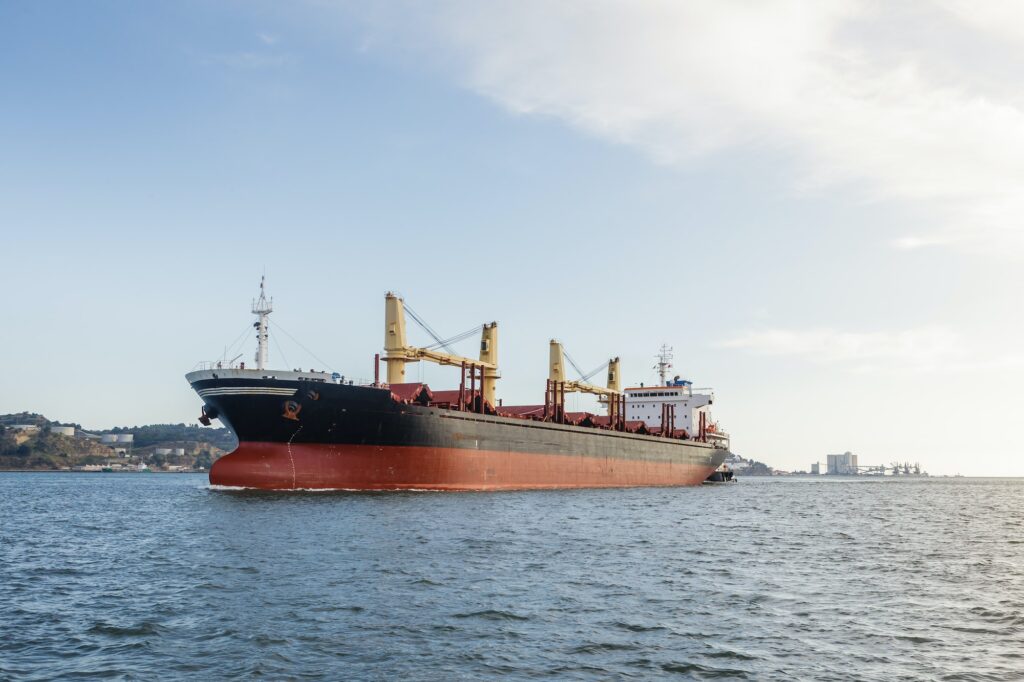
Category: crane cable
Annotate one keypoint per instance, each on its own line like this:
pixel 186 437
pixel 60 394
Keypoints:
pixel 573 363
pixel 278 346
pixel 440 343
pixel 592 373
pixel 238 342
pixel 584 377
pixel 458 337
pixel 299 344
pixel 427 328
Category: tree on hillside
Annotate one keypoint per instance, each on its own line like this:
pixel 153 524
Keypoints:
pixel 203 460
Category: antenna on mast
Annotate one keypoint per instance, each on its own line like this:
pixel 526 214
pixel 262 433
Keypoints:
pixel 664 363
pixel 261 307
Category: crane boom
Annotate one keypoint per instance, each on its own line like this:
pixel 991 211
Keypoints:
pixel 556 372
pixel 398 352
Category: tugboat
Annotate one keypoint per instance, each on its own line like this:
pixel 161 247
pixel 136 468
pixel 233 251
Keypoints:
pixel 723 474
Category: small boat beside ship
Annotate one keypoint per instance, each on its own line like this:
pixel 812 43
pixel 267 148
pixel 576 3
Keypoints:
pixel 723 474
pixel 317 430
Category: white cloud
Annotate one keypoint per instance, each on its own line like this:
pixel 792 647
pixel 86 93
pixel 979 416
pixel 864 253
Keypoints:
pixel 829 345
pixel 1005 19
pixel 245 59
pixel 910 103
pixel 255 60
pixel 921 349
pixel 911 242
pixel 266 55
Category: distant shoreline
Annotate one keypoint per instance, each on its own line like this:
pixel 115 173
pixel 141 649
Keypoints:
pixel 932 477
pixel 79 471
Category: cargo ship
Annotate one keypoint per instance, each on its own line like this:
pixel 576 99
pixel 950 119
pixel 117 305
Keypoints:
pixel 319 430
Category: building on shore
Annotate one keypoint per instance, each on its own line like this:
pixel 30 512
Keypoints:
pixel 842 465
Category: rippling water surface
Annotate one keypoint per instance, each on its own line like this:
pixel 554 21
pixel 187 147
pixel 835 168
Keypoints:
pixel 158 576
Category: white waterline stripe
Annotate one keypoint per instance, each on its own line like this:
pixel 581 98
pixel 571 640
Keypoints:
pixel 248 391
pixel 233 389
pixel 250 388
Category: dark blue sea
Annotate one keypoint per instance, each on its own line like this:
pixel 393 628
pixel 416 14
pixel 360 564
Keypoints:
pixel 148 576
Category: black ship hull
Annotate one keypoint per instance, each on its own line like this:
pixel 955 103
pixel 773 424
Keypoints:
pixel 298 433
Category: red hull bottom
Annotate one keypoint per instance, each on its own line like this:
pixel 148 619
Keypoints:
pixel 277 466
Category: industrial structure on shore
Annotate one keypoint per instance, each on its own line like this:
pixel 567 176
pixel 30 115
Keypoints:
pixel 846 464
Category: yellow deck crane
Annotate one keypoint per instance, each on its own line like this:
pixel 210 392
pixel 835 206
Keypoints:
pixel 556 373
pixel 398 352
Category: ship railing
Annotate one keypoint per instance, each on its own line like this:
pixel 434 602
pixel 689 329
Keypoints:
pixel 319 375
pixel 354 381
pixel 204 365
pixel 328 377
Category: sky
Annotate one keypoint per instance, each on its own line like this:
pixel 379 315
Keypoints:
pixel 817 205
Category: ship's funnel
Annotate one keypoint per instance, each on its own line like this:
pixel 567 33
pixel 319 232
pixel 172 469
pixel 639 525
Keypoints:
pixel 556 365
pixel 394 338
pixel 614 383
pixel 489 354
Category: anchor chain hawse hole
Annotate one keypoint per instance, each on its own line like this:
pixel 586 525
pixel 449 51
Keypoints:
pixel 291 410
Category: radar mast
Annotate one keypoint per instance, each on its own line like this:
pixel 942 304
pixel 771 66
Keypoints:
pixel 664 363
pixel 262 308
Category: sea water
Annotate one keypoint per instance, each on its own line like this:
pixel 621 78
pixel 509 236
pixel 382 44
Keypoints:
pixel 147 576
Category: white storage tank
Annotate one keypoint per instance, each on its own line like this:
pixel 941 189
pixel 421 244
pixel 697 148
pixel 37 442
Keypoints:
pixel 108 438
pixel 180 452
pixel 125 437
pixel 63 430
pixel 162 451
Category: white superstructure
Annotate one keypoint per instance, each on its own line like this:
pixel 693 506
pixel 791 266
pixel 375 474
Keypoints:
pixel 647 404
pixel 674 400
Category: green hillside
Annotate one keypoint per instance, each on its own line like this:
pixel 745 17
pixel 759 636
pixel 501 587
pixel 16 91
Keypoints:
pixel 41 448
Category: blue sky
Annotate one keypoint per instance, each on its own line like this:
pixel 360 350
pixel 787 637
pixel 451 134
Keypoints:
pixel 814 204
